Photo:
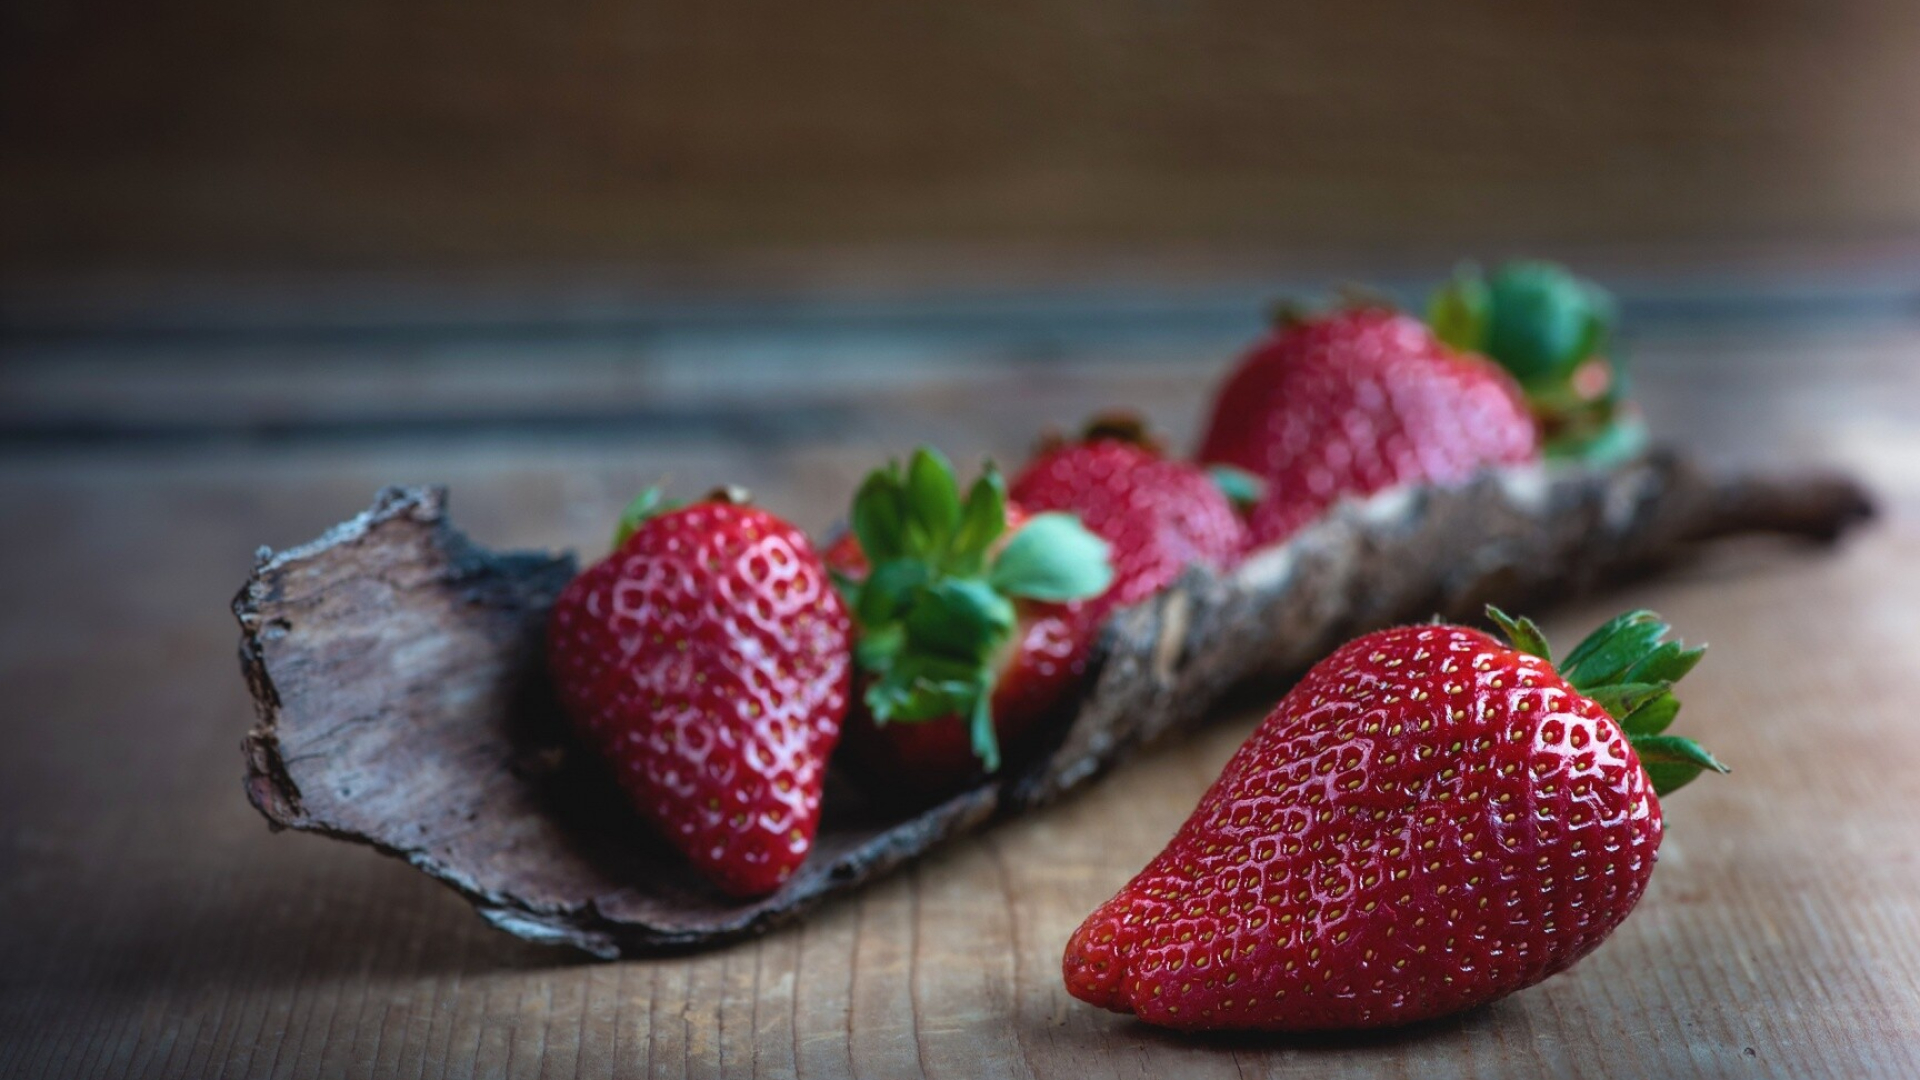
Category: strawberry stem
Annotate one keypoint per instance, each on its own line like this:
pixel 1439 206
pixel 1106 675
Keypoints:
pixel 1121 425
pixel 1628 668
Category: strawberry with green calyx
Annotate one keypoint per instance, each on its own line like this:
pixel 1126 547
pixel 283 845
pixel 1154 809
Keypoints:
pixel 1351 401
pixel 959 607
pixel 707 660
pixel 1160 515
pixel 1554 332
pixel 1126 429
pixel 1430 820
pixel 1628 668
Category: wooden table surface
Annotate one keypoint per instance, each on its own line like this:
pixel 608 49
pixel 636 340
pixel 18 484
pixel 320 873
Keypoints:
pixel 151 926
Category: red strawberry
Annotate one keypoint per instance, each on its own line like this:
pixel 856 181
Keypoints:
pixel 1430 820
pixel 931 757
pixel 967 634
pixel 1160 516
pixel 707 659
pixel 1554 332
pixel 1357 401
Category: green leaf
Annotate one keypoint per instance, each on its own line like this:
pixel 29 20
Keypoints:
pixel 932 626
pixel 1629 650
pixel 1668 663
pixel 1242 488
pixel 1621 699
pixel 1652 716
pixel 933 502
pixel 889 589
pixel 918 688
pixel 1672 762
pixel 876 649
pixel 909 691
pixel 646 506
pixel 960 618
pixel 920 691
pixel 879 515
pixel 1666 749
pixel 1053 557
pixel 1627 669
pixel 1594 333
pixel 1554 332
pixel 1542 320
pixel 1605 630
pixel 1459 311
pixel 1667 779
pixel 1606 637
pixel 1616 656
pixel 982 521
pixel 1522 632
pixel 986 741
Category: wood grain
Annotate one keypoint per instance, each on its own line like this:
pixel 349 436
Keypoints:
pixel 238 135
pixel 151 927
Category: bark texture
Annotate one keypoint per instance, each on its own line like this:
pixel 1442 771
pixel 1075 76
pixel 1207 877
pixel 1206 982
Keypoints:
pixel 396 670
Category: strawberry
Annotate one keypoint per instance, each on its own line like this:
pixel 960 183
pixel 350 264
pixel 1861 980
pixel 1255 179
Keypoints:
pixel 1356 401
pixel 1160 516
pixel 708 660
pixel 1554 332
pixel 911 761
pixel 966 632
pixel 1430 820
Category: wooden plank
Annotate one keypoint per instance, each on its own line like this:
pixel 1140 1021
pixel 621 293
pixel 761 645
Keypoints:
pixel 150 927
pixel 257 135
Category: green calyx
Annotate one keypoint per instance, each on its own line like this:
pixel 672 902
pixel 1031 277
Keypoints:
pixel 1242 488
pixel 652 503
pixel 936 608
pixel 1554 332
pixel 646 506
pixel 1628 668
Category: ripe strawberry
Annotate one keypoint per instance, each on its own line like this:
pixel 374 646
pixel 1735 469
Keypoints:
pixel 1430 820
pixel 1357 401
pixel 1554 332
pixel 1160 516
pixel 967 634
pixel 708 660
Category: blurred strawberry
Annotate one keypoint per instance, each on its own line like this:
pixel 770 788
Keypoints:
pixel 1554 332
pixel 1159 515
pixel 1356 401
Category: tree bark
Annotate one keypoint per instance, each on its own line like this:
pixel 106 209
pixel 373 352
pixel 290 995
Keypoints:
pixel 396 669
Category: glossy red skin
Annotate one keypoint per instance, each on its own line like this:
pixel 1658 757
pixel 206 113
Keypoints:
pixel 924 758
pixel 1355 402
pixel 1160 516
pixel 1430 820
pixel 708 659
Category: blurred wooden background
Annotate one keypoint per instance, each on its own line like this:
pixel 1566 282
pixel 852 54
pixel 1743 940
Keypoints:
pixel 259 258
pixel 361 133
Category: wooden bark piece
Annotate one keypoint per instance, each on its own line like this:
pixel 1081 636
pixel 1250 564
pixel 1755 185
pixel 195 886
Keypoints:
pixel 397 672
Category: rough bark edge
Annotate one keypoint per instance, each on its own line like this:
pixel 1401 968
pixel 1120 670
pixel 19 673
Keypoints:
pixel 1515 536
